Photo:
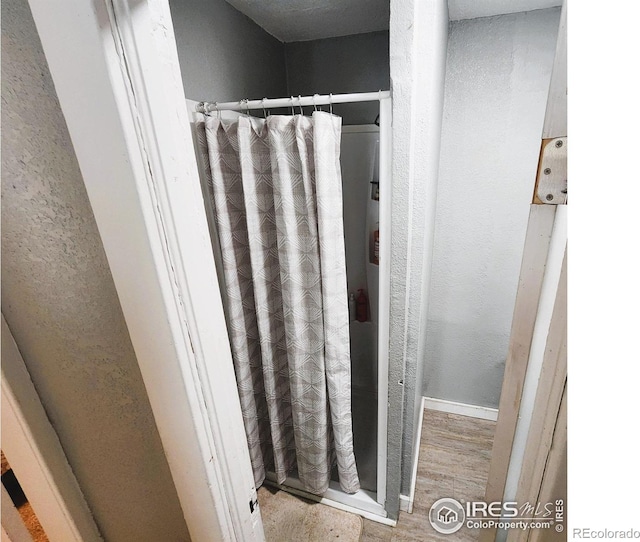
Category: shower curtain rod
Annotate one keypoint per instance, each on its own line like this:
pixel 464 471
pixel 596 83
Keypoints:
pixel 297 101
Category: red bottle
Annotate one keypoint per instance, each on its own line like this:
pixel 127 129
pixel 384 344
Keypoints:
pixel 362 313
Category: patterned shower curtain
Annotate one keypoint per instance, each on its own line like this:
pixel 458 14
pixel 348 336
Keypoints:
pixel 277 192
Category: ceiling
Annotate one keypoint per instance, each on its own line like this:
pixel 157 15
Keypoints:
pixel 303 20
pixel 472 9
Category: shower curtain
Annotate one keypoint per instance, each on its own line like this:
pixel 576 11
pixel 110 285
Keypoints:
pixel 277 192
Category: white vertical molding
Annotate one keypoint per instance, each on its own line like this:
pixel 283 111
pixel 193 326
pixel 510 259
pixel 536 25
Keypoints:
pixel 553 269
pixel 549 414
pixel 555 119
pixel 546 303
pixel 400 51
pixel 36 456
pixel 123 102
pixel 418 32
pixel 406 501
pixel 532 271
pixel 431 43
pixel 384 294
pixel 13 528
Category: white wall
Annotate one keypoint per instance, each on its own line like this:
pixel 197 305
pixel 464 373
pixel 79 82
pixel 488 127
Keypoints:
pixel 498 72
pixel 418 40
pixel 61 305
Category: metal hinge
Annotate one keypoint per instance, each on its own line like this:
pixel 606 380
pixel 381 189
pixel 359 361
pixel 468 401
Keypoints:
pixel 551 183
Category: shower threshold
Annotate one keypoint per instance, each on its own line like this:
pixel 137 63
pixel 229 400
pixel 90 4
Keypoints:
pixel 362 503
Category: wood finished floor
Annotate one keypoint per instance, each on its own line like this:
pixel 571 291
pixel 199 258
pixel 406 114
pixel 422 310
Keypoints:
pixel 455 452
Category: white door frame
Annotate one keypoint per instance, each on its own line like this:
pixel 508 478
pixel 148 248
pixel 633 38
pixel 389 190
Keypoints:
pixel 115 68
pixel 35 454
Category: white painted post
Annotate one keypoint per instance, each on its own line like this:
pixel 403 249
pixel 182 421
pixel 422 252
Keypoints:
pixel 13 528
pixel 34 452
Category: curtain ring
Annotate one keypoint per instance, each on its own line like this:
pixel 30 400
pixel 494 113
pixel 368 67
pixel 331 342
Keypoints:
pixel 293 111
pixel 215 104
pixel 263 109
pixel 331 103
pixel 313 99
pixel 300 105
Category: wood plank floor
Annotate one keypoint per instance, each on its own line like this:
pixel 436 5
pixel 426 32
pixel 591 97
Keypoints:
pixel 455 452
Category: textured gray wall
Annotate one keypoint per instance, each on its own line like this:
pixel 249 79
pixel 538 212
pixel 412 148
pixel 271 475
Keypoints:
pixel 348 64
pixel 61 305
pixel 224 55
pixel 498 72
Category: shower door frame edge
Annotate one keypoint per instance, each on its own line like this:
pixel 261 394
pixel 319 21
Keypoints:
pixel 384 279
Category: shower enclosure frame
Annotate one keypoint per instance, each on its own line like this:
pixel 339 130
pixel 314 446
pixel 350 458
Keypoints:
pixel 363 502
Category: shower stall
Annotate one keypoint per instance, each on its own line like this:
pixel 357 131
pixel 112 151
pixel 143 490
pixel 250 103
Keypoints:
pixel 364 158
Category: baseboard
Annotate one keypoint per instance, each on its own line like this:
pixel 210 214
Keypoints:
pixel 405 504
pixel 473 411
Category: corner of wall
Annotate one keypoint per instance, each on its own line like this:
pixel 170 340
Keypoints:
pixel 417 32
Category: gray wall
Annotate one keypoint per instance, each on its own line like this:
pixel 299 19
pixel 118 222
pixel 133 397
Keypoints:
pixel 224 55
pixel 61 305
pixel 498 72
pixel 347 64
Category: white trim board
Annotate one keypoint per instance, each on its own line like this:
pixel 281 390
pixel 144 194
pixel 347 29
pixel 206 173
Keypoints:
pixel 34 452
pixel 13 528
pixel 464 409
pixel 546 305
pixel 384 295
pixel 406 504
pixel 406 501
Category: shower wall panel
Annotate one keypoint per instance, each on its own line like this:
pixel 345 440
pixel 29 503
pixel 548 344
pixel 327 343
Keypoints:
pixel 358 159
